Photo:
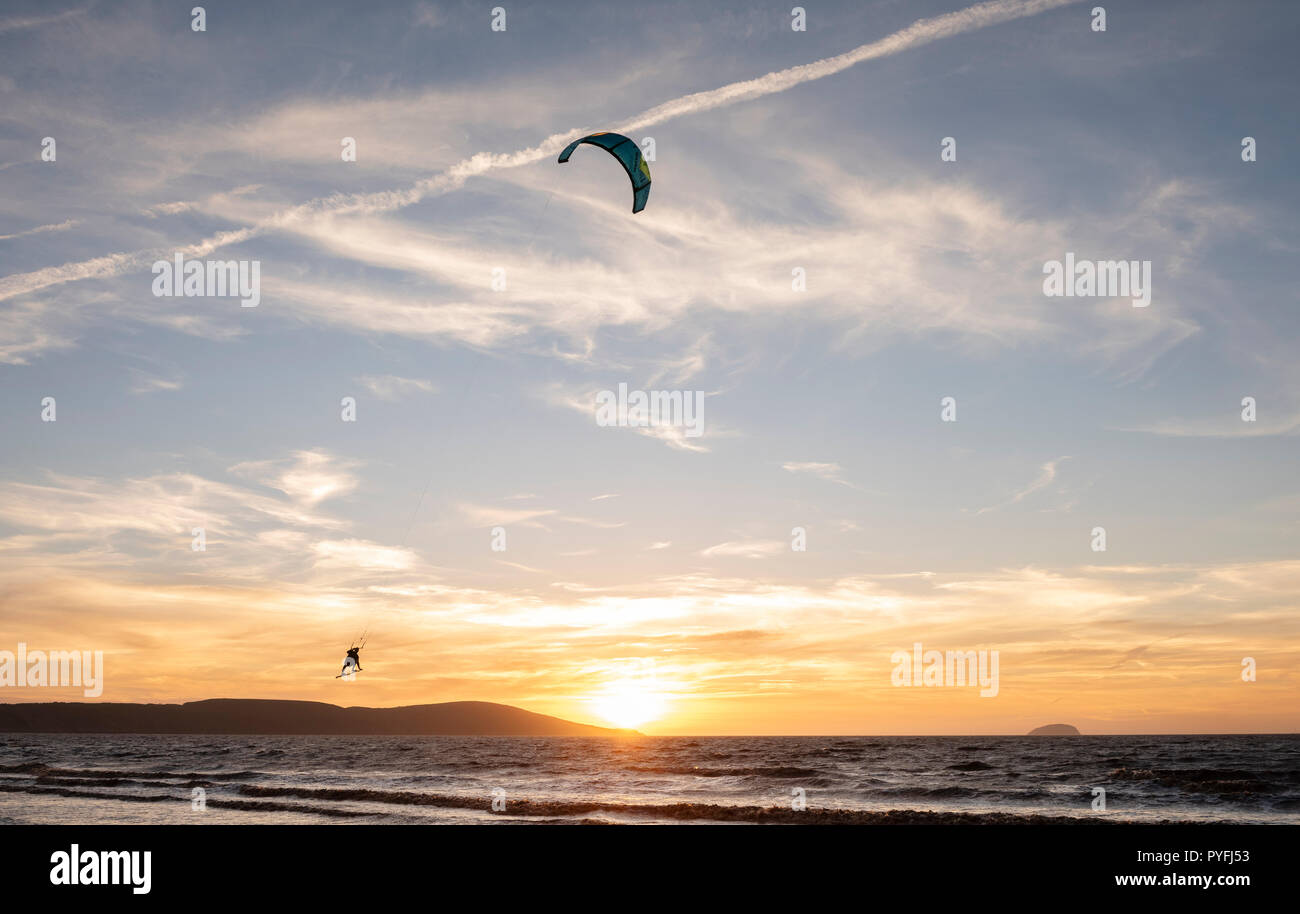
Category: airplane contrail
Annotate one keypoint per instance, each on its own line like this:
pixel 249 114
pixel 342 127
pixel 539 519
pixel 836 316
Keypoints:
pixel 921 32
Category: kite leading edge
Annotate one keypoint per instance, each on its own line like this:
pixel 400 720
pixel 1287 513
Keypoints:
pixel 629 156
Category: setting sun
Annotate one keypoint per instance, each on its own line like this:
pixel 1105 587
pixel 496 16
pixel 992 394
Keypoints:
pixel 629 704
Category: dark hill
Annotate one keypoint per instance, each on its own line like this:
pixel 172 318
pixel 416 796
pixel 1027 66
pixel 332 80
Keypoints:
pixel 239 715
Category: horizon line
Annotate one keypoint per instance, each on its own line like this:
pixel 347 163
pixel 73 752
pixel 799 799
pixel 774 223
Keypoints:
pixel 616 730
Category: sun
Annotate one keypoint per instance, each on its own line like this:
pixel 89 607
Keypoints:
pixel 629 704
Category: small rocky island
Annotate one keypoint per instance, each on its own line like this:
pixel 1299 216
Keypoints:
pixel 1055 730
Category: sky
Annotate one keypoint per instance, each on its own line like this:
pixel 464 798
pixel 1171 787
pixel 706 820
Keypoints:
pixel 650 577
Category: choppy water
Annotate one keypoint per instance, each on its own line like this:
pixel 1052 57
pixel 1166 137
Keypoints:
pixel 102 779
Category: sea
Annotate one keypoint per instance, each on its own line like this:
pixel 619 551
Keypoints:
pixel 186 779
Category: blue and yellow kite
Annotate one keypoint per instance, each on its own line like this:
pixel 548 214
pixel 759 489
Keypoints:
pixel 628 154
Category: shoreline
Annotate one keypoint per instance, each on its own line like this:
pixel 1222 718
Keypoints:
pixel 270 799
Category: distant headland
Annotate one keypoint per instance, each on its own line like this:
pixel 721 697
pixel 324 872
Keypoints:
pixel 1056 730
pixel 267 716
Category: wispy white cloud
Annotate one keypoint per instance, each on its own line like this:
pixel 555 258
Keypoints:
pixel 1046 475
pixel 362 555
pixel 488 516
pixel 41 229
pixel 827 471
pixel 308 477
pixel 521 567
pixel 18 23
pixel 147 383
pixel 165 506
pixel 1229 427
pixel 748 549
pixel 170 209
pixel 393 387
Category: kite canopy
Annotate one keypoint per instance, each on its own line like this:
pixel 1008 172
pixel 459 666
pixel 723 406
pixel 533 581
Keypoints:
pixel 628 154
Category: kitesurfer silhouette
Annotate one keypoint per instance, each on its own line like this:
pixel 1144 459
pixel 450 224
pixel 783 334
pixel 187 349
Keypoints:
pixel 352 662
